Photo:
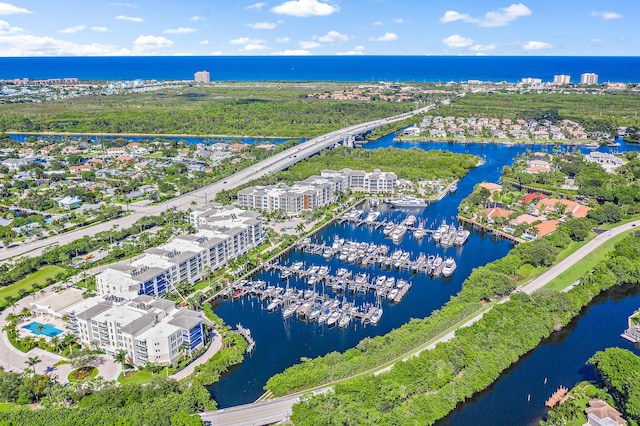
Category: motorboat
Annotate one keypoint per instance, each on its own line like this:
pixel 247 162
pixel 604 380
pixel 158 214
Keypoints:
pixel 315 312
pixel 449 267
pixel 313 280
pixel 273 305
pixel 237 294
pixel 388 228
pixel 398 233
pixel 462 236
pixel 392 294
pixel 410 220
pixel 290 310
pixel 345 319
pixel 375 318
pixel 453 187
pixel 409 201
pixel 333 318
pixel 324 316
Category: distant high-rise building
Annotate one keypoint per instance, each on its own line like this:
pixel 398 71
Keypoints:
pixel 589 78
pixel 202 77
pixel 561 79
pixel 531 80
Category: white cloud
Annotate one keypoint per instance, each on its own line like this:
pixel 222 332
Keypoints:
pixel 482 47
pixel 332 37
pixel 250 44
pixel 129 18
pixel 305 8
pixel 216 53
pixel 71 30
pixel 197 18
pixel 256 6
pixel 245 40
pixel 149 42
pixel 456 41
pixel 100 29
pixel 309 44
pixel 494 18
pixel 377 24
pixel 386 37
pixel 263 25
pixel 7 29
pixel 283 40
pixel 537 45
pixel 204 42
pixel 181 30
pixel 250 47
pixel 129 5
pixel 606 15
pixel 30 45
pixel 9 9
pixel 357 50
pixel 293 52
pixel 398 21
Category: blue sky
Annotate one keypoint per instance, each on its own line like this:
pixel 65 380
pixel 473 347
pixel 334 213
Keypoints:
pixel 318 27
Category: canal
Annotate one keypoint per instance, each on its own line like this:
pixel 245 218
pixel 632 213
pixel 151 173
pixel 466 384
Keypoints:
pixel 282 343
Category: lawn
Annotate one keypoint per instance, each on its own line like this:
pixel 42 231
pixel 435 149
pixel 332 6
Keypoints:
pixel 135 377
pixel 586 265
pixel 38 277
pixel 8 406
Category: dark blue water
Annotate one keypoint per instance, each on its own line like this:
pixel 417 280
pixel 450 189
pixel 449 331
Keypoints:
pixel 561 359
pixel 281 343
pixel 325 68
pixel 189 140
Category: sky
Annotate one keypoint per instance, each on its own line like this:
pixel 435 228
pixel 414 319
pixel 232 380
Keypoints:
pixel 318 27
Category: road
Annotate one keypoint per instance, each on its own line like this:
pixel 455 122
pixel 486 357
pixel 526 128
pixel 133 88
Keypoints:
pixel 266 167
pixel 267 412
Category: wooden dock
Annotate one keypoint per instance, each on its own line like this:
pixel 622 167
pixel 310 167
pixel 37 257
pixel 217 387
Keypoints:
pixel 490 229
pixel 558 397
pixel 246 333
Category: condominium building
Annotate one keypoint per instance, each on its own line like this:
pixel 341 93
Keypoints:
pixel 589 78
pixel 561 79
pixel 531 80
pixel 202 77
pixel 359 180
pixel 149 330
pixel 316 191
pixel 223 233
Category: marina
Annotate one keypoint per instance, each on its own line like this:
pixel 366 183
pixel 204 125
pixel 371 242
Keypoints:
pixel 281 344
pixel 308 305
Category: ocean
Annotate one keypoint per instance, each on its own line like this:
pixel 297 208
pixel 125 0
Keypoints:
pixel 324 68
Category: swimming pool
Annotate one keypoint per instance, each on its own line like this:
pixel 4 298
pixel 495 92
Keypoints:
pixel 46 329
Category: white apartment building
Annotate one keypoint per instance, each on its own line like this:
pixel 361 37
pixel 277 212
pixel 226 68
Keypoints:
pixel 202 77
pixel 589 78
pixel 149 330
pixel 561 79
pixel 531 80
pixel 315 191
pixel 223 233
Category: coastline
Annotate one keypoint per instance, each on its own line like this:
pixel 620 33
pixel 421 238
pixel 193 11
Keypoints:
pixel 567 142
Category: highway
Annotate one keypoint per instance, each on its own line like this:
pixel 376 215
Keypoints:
pixel 267 412
pixel 268 166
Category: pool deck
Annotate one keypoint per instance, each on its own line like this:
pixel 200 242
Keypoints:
pixel 14 360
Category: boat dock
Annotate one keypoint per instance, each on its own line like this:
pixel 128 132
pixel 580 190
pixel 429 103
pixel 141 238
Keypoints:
pixel 558 397
pixel 364 254
pixel 246 333
pixel 307 304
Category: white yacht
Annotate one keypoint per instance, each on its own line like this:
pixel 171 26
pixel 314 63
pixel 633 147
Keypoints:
pixel 449 267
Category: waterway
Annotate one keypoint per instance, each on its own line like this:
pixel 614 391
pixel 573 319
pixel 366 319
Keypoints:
pixel 189 140
pixel 281 343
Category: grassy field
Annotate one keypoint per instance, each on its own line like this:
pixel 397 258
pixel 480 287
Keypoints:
pixel 38 277
pixel 586 265
pixel 135 377
pixel 619 109
pixel 241 109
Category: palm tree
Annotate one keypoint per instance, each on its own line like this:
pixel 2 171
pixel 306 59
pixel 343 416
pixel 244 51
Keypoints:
pixel 121 357
pixel 32 361
pixel 40 328
pixel 68 340
pixel 25 312
pixel 55 342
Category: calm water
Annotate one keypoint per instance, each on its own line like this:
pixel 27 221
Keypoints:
pixel 323 68
pixel 560 359
pixel 281 343
pixel 189 140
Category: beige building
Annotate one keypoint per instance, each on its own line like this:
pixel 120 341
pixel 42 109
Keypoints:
pixel 561 79
pixel 589 78
pixel 202 77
